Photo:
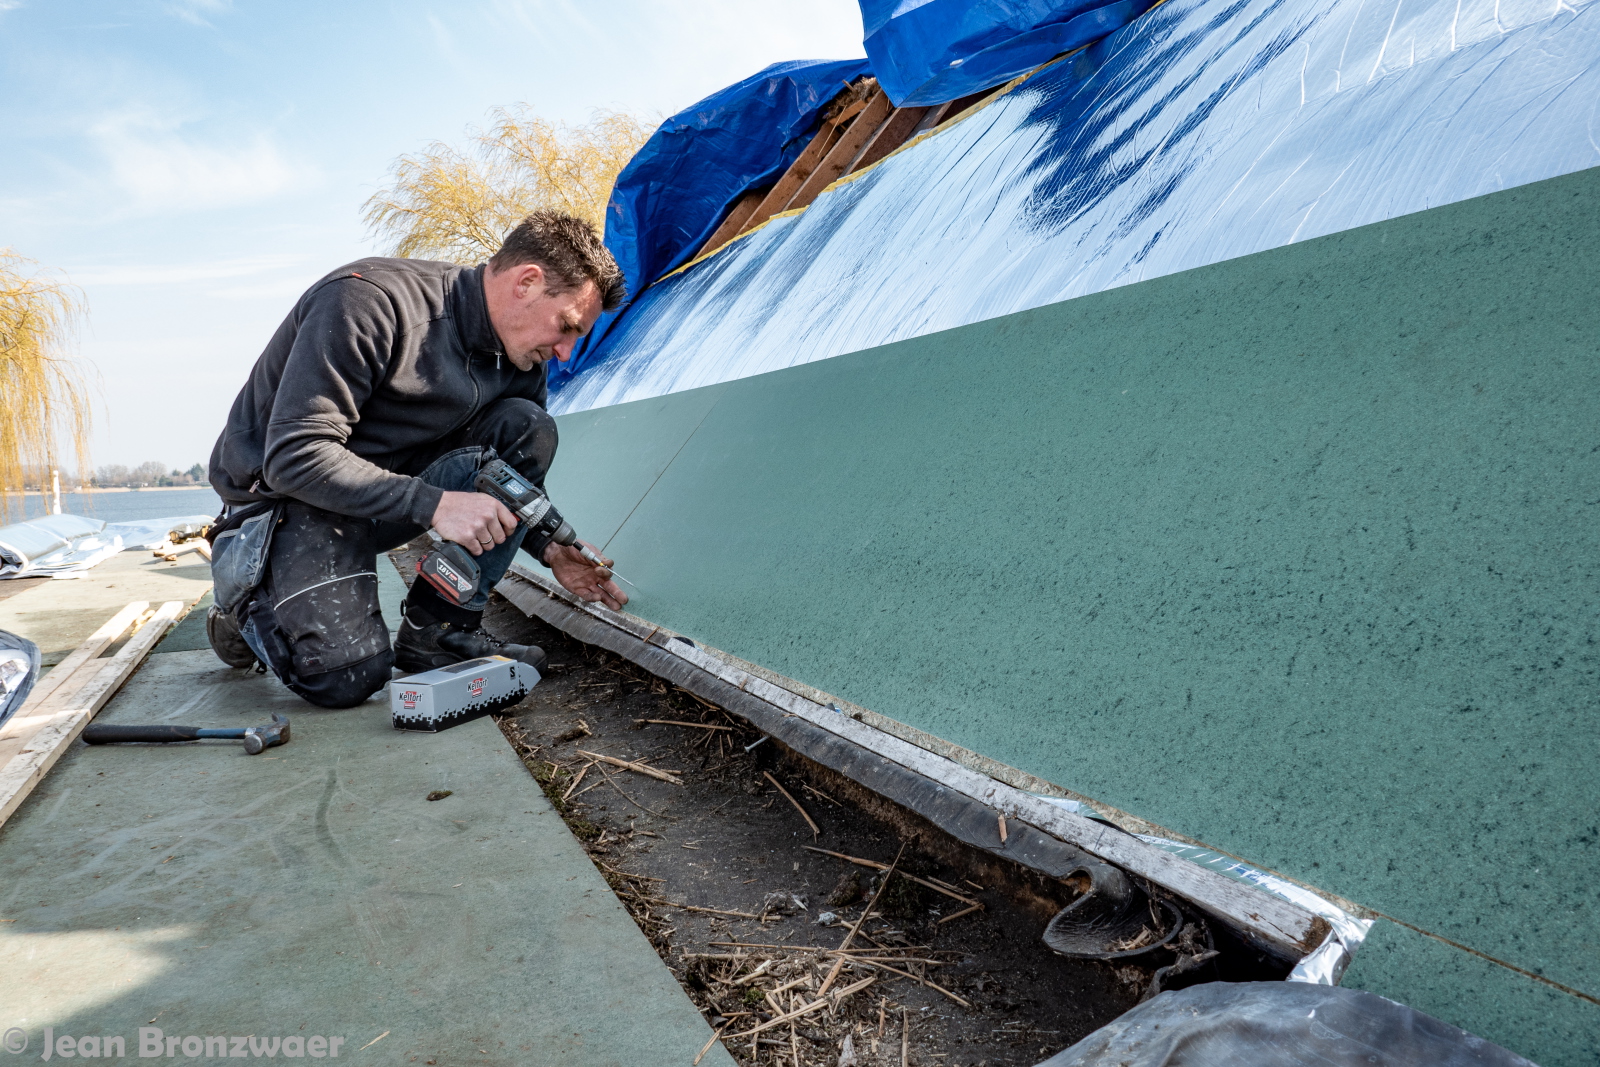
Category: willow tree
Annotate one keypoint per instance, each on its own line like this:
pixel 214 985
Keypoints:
pixel 43 399
pixel 456 204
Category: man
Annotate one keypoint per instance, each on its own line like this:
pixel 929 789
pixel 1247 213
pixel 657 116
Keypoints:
pixel 363 423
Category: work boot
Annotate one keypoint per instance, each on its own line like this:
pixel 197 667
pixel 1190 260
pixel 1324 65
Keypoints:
pixel 425 643
pixel 226 641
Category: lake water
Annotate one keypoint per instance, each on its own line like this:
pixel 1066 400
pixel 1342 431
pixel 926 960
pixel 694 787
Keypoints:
pixel 120 507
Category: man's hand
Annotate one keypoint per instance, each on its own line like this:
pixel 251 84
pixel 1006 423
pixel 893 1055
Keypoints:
pixel 580 576
pixel 475 521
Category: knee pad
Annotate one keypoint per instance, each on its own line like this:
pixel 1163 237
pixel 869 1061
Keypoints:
pixel 347 686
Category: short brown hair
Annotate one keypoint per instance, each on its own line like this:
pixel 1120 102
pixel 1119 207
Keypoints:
pixel 569 250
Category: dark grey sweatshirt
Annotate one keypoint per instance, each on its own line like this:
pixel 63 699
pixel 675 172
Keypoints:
pixel 377 363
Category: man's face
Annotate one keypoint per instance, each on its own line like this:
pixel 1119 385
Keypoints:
pixel 535 325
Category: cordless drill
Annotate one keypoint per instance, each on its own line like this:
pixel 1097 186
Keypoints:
pixel 453 571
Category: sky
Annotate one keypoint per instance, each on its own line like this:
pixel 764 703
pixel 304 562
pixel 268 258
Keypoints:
pixel 193 165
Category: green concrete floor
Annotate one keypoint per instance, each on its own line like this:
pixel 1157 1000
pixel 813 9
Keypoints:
pixel 314 890
pixel 1294 554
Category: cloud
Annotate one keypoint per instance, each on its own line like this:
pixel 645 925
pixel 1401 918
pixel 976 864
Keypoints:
pixel 162 170
pixel 193 11
pixel 10 5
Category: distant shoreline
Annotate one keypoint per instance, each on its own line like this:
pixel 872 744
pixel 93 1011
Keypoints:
pixel 108 489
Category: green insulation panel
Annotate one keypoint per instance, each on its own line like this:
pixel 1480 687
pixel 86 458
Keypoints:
pixel 1294 554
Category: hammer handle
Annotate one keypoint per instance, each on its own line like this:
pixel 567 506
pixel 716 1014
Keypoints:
pixel 109 733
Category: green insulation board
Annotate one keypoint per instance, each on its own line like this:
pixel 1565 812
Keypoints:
pixel 1294 554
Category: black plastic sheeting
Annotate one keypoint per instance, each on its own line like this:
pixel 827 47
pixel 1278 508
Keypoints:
pixel 1279 1024
pixel 1203 131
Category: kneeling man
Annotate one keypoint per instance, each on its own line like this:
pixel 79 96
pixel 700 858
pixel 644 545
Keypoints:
pixel 363 424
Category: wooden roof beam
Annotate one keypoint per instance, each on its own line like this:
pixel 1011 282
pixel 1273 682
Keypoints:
pixel 758 206
pixel 895 131
pixel 734 223
pixel 844 150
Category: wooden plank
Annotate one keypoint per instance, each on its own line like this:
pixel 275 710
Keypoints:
pixel 757 207
pixel 68 677
pixel 939 114
pixel 844 150
pixel 932 117
pixel 956 107
pixel 91 648
pixel 895 131
pixel 1293 930
pixel 23 771
pixel 793 178
pixel 733 225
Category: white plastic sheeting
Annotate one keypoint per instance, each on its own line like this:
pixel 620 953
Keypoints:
pixel 65 546
pixel 1202 132
pixel 54 544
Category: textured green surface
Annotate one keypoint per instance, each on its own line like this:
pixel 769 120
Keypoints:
pixel 1510 1009
pixel 612 457
pixel 58 615
pixel 314 890
pixel 1295 554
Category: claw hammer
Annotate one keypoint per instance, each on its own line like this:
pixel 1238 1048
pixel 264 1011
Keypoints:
pixel 256 739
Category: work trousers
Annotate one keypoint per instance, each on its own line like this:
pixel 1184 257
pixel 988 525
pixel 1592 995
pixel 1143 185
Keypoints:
pixel 314 619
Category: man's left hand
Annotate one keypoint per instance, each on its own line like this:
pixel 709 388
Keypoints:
pixel 583 578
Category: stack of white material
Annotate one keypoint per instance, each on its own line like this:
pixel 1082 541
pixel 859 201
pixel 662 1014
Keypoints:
pixel 54 546
pixel 65 546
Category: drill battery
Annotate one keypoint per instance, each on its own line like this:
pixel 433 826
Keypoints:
pixel 449 696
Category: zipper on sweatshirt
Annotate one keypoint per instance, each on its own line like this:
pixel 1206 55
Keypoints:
pixel 477 395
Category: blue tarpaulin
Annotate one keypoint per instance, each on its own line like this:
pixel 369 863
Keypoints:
pixel 1200 132
pixel 939 50
pixel 673 194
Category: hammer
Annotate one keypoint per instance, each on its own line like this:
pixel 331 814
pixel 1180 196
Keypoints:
pixel 256 738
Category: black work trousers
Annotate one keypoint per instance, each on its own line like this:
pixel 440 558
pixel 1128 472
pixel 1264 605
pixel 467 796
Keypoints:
pixel 315 621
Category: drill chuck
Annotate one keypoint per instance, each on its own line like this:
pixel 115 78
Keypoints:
pixel 530 503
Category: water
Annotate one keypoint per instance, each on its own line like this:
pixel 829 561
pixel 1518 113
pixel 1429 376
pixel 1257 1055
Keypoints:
pixel 119 507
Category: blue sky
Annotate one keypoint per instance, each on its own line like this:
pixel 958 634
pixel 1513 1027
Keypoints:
pixel 194 164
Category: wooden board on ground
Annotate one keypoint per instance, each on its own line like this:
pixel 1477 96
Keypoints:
pixel 36 737
pixel 91 648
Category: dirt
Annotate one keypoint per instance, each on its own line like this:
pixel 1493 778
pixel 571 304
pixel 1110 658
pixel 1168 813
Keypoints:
pixel 980 989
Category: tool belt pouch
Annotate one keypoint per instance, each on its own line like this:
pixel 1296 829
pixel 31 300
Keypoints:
pixel 239 558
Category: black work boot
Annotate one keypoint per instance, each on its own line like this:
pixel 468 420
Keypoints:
pixel 426 642
pixel 226 641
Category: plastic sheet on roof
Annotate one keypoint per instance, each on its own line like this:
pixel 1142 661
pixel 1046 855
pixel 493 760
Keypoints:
pixel 673 193
pixel 1202 132
pixel 939 50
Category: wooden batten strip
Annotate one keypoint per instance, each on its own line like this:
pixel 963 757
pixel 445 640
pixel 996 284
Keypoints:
pixel 734 224
pixel 27 768
pixel 895 131
pixel 778 198
pixel 91 648
pixel 844 151
pixel 793 178
pixel 56 690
